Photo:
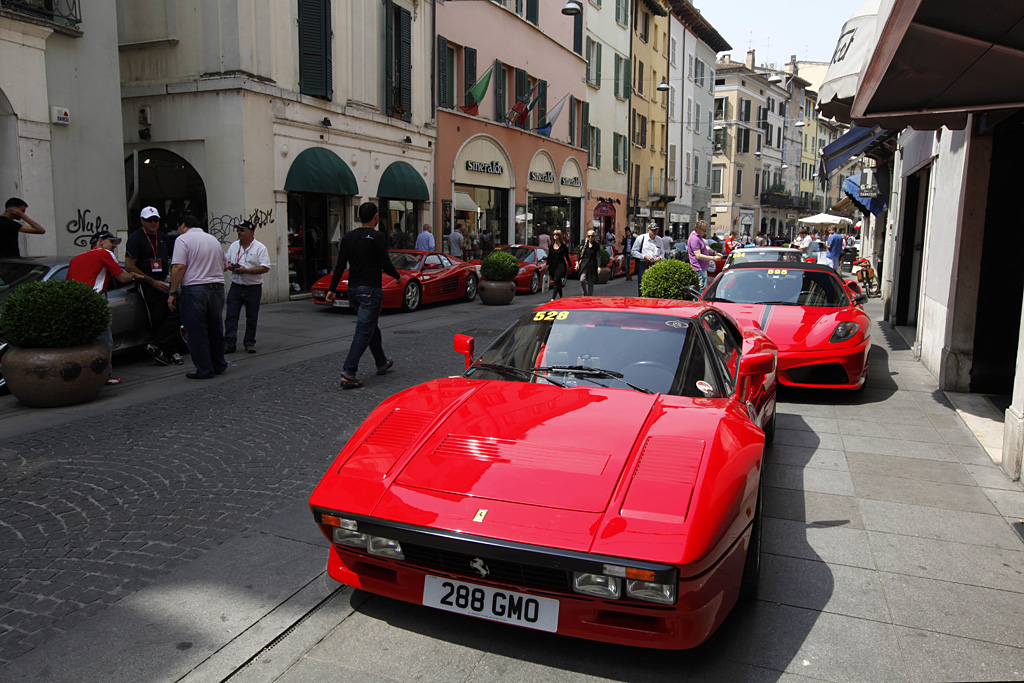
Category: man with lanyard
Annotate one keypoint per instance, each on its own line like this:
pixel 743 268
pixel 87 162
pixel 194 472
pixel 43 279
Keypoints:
pixel 95 268
pixel 647 249
pixel 197 285
pixel 366 252
pixel 701 257
pixel 249 260
pixel 148 254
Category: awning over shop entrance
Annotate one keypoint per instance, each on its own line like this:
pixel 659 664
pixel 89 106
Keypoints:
pixel 320 170
pixel 401 181
pixel 846 146
pixel 929 64
pixel 851 187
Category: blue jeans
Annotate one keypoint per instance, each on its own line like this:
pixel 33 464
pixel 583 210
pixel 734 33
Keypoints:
pixel 367 302
pixel 702 276
pixel 641 266
pixel 201 307
pixel 238 296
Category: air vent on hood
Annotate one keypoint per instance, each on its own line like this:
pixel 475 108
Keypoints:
pixel 388 441
pixel 524 455
pixel 663 480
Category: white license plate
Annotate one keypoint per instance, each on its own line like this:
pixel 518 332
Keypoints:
pixel 341 303
pixel 491 603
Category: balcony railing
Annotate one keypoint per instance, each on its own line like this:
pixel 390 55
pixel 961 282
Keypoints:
pixel 61 12
pixel 783 200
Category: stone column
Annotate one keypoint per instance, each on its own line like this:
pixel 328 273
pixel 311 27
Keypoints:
pixel 1013 426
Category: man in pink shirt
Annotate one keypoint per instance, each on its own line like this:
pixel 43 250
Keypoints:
pixel 197 285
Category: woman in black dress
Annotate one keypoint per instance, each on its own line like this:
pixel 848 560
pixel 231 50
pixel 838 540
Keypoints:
pixel 558 264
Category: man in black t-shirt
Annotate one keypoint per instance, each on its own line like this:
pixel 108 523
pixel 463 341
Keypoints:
pixel 10 227
pixel 366 252
pixel 148 253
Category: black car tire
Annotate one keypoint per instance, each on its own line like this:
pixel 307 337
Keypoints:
pixel 535 283
pixel 412 296
pixel 752 565
pixel 769 430
pixel 471 287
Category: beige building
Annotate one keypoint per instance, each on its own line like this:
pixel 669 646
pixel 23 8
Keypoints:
pixel 288 114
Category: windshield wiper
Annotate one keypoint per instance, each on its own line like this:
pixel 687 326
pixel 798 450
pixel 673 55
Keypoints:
pixel 510 371
pixel 584 370
pixel 775 303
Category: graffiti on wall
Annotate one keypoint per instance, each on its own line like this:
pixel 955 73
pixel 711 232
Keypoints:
pixel 84 226
pixel 223 227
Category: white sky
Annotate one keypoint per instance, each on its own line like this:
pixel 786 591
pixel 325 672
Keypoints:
pixel 777 29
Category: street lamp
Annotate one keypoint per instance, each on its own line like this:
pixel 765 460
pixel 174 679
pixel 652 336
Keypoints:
pixel 572 8
pixel 663 86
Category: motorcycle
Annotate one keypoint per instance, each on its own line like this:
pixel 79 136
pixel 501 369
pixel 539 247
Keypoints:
pixel 865 274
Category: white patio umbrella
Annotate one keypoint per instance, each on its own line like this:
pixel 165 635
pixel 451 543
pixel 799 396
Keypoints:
pixel 822 219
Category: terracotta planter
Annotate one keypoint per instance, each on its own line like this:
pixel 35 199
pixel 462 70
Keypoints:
pixel 604 275
pixel 47 378
pixel 497 293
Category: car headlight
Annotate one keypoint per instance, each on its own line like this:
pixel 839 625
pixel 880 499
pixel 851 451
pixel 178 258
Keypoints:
pixel 598 585
pixel 385 547
pixel 319 293
pixel 522 270
pixel 663 593
pixel 844 331
pixel 347 533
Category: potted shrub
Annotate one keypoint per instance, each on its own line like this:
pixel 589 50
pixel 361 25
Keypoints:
pixel 51 328
pixel 670 279
pixel 497 271
pixel 604 272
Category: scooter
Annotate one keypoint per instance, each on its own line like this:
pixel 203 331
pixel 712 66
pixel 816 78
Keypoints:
pixel 865 274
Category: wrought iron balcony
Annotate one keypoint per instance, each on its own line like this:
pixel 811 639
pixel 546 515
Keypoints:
pixel 61 12
pixel 783 200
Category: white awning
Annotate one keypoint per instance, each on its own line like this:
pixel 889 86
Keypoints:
pixel 463 202
pixel 825 219
pixel 854 48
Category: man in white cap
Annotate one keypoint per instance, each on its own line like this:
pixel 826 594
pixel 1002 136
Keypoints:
pixel 148 253
pixel 647 249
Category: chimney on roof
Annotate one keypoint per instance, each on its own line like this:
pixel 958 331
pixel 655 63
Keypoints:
pixel 750 59
pixel 727 59
pixel 792 67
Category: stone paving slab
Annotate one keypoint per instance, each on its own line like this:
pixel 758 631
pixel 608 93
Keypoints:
pixel 830 544
pixel 823 509
pixel 908 468
pixel 918 492
pixel 939 657
pixel 833 588
pixel 808 479
pixel 943 525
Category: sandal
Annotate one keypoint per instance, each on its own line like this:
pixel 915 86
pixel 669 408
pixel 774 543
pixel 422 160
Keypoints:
pixel 348 383
pixel 383 369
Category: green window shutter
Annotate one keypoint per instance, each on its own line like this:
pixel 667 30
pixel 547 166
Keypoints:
pixel 627 78
pixel 597 147
pixel 597 76
pixel 315 68
pixel 470 73
pixel 522 84
pixel 590 65
pixel 572 120
pixel 519 7
pixel 389 58
pixel 585 125
pixel 577 34
pixel 542 103
pixel 499 91
pixel 615 152
pixel 442 72
pixel 533 12
pixel 618 75
pixel 405 62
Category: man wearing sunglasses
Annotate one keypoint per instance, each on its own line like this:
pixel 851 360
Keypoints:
pixel 148 254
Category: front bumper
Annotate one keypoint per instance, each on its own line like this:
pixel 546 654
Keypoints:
pixel 702 604
pixel 826 368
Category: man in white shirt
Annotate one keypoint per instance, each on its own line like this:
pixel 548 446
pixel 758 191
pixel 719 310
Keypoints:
pixel 805 242
pixel 647 249
pixel 425 240
pixel 249 260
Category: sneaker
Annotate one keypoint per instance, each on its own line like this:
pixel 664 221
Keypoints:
pixel 383 369
pixel 176 359
pixel 113 380
pixel 250 349
pixel 158 354
pixel 229 349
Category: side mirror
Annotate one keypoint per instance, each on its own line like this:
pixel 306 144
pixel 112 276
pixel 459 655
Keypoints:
pixel 431 266
pixel 757 364
pixel 464 344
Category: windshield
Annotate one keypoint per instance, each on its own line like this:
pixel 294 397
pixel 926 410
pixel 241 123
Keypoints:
pixel 622 349
pixel 405 261
pixel 14 274
pixel 795 287
pixel 755 256
pixel 522 254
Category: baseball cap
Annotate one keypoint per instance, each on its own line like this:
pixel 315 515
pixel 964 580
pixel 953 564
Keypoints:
pixel 107 236
pixel 245 224
pixel 149 212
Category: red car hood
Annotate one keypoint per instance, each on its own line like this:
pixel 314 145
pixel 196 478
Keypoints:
pixel 571 468
pixel 795 328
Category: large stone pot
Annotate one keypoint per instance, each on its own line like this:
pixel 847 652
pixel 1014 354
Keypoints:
pixel 47 378
pixel 604 275
pixel 497 293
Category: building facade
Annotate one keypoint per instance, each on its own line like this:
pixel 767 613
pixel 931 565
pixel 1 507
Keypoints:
pixel 286 114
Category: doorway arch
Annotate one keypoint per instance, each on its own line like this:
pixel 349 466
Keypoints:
pixel 168 182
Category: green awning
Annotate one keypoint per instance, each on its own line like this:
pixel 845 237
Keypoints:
pixel 320 170
pixel 401 181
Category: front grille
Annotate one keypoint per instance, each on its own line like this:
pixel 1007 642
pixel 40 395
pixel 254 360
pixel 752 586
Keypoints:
pixel 514 573
pixel 826 373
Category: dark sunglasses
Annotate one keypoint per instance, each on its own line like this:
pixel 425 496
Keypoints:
pixel 150 220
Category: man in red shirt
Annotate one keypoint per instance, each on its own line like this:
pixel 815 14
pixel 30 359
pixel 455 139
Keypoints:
pixel 95 268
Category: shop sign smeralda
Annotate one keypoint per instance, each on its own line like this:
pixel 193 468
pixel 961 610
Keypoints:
pixel 546 177
pixel 492 167
pixel 574 181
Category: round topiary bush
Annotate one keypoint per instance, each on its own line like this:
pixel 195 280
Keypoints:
pixel 668 279
pixel 606 258
pixel 54 314
pixel 499 266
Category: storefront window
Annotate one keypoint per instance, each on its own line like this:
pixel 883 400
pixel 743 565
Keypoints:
pixel 315 228
pixel 482 213
pixel 548 214
pixel 402 223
